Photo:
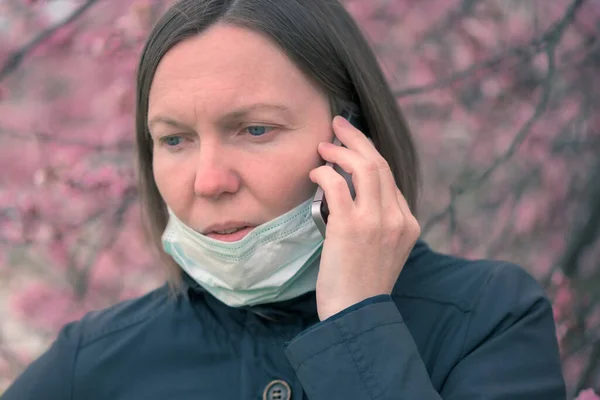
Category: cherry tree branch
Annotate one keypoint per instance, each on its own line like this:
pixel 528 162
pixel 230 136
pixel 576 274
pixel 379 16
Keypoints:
pixel 588 229
pixel 14 363
pixel 581 341
pixel 456 191
pixel 15 59
pixel 79 276
pixel 520 188
pixel 589 373
pixel 550 41
pixel 523 53
pixel 104 224
pixel 584 234
pixel 121 145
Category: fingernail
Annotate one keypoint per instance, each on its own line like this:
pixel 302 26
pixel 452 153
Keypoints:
pixel 340 121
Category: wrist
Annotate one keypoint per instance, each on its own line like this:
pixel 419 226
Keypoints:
pixel 342 308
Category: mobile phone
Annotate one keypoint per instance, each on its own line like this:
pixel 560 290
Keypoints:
pixel 320 210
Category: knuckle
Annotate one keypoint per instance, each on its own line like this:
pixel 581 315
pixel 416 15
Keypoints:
pixel 398 221
pixel 369 165
pixel 339 183
pixel 321 170
pixel 397 227
pixel 382 163
pixel 393 220
pixel 366 221
pixel 371 226
pixel 414 227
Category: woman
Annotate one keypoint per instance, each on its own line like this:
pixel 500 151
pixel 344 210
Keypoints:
pixel 236 111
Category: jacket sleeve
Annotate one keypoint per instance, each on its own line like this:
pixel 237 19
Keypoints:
pixel 509 352
pixel 49 376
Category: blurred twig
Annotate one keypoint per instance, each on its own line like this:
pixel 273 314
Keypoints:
pixel 15 59
pixel 551 39
pixel 104 225
pixel 121 145
pixel 458 190
pixel 547 40
pixel 498 243
pixel 14 363
pixel 588 375
pixel 586 230
pixel 79 275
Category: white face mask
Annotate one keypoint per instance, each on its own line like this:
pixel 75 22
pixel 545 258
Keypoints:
pixel 276 261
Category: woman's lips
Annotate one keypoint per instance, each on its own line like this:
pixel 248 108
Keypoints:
pixel 230 237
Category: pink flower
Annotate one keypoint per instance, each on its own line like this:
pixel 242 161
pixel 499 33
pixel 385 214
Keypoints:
pixel 588 394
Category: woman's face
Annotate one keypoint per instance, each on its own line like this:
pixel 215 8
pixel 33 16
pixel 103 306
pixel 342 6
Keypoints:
pixel 235 126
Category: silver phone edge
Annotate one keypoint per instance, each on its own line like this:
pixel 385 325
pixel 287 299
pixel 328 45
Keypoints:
pixel 316 215
pixel 318 200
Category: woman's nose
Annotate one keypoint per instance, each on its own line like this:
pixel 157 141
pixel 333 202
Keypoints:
pixel 214 174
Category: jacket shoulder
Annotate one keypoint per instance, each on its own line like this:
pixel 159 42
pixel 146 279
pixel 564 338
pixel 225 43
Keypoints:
pixel 50 376
pixel 460 282
pixel 123 315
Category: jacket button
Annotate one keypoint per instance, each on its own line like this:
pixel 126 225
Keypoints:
pixel 277 390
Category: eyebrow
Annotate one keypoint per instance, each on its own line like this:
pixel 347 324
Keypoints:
pixel 226 119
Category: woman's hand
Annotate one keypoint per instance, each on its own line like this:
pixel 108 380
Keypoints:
pixel 369 238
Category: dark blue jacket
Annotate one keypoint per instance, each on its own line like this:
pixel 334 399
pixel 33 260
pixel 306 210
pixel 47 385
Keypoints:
pixel 452 329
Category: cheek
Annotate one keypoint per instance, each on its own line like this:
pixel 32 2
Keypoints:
pixel 171 181
pixel 306 187
pixel 162 183
pixel 304 159
pixel 160 173
pixel 287 184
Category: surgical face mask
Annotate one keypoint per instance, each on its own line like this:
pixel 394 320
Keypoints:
pixel 276 261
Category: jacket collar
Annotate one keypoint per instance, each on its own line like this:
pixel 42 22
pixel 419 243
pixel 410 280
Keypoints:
pixel 304 306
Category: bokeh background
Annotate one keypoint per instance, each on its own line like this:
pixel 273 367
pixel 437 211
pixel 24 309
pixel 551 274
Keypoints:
pixel 501 95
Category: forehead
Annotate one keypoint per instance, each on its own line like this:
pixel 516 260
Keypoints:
pixel 227 66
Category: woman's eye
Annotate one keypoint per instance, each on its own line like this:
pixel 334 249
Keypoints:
pixel 172 141
pixel 258 130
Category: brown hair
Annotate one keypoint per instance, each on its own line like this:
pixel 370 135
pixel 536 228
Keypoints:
pixel 323 41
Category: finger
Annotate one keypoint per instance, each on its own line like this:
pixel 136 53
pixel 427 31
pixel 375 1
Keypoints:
pixel 402 203
pixel 411 227
pixel 335 188
pixel 365 174
pixel 389 190
pixel 354 139
pixel 412 224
